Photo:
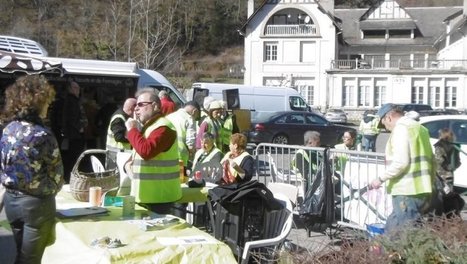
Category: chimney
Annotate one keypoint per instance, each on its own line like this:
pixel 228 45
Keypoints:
pixel 251 7
pixel 328 5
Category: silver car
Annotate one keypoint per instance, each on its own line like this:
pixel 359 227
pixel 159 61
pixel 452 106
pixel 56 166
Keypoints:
pixel 336 116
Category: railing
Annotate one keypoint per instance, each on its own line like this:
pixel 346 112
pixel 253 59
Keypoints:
pixel 358 64
pixel 291 30
pixel 354 204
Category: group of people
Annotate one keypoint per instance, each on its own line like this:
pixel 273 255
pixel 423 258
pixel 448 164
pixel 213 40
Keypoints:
pixel 32 168
pixel 412 170
pixel 157 135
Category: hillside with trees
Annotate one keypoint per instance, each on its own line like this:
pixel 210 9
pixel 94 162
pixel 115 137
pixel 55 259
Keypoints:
pixel 171 36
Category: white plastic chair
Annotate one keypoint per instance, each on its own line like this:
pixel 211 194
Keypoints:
pixel 289 190
pixel 285 225
pixel 292 178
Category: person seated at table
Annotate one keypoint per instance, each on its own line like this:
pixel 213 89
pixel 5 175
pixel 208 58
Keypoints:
pixel 207 159
pixel 305 162
pixel 237 164
pixel 31 167
pixel 348 143
pixel 153 166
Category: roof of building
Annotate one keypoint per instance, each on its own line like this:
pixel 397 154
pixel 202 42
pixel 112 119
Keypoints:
pixel 428 21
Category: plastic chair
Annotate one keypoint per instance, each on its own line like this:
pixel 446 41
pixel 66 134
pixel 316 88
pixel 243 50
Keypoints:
pixel 281 224
pixel 289 190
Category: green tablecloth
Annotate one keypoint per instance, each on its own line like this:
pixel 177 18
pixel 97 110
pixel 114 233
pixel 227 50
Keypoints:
pixel 163 243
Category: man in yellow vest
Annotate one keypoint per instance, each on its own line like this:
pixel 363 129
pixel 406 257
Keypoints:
pixel 184 121
pixel 409 172
pixel 116 132
pixel 154 163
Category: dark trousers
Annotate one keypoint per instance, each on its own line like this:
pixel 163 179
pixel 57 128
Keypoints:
pixel 32 220
pixel 75 148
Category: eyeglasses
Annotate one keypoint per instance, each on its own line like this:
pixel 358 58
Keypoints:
pixel 143 104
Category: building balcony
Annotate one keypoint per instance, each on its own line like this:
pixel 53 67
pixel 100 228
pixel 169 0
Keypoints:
pixel 291 30
pixel 357 64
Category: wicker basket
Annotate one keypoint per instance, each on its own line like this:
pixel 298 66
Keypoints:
pixel 81 181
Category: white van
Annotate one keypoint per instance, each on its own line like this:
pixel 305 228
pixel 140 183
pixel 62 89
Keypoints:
pixel 257 99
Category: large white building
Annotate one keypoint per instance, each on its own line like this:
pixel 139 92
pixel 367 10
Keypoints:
pixel 358 59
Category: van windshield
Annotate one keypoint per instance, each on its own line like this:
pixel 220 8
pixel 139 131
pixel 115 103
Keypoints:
pixel 297 103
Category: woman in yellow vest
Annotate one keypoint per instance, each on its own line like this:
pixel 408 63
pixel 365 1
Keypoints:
pixel 207 159
pixel 237 164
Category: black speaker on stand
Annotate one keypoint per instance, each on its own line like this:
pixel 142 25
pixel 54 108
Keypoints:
pixel 199 94
pixel 232 98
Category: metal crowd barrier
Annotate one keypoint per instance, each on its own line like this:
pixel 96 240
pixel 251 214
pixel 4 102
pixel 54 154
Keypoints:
pixel 355 205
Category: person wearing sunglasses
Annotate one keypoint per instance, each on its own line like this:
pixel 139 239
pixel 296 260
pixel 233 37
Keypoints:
pixel 153 166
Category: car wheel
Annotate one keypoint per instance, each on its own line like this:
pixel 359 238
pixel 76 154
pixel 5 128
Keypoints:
pixel 280 139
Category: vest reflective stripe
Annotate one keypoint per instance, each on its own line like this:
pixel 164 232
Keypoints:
pixel 420 175
pixel 157 180
pixel 111 144
pixel 238 160
pixel 179 120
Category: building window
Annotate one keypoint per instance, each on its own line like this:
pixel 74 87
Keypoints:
pixel 348 95
pixel 380 92
pixel 417 95
pixel 372 34
pixel 270 51
pixel 363 95
pixel 308 92
pixel 450 93
pixel 434 96
pixel 307 51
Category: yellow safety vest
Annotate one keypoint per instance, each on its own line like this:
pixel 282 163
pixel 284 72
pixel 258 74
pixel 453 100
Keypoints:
pixel 179 119
pixel 306 157
pixel 238 160
pixel 370 128
pixel 200 152
pixel 226 132
pixel 214 127
pixel 420 174
pixel 157 180
pixel 111 143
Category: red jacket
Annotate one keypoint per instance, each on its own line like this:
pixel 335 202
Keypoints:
pixel 167 106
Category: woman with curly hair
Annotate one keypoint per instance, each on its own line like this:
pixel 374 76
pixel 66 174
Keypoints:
pixel 31 167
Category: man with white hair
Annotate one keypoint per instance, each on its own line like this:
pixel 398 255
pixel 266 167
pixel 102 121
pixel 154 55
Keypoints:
pixel 184 120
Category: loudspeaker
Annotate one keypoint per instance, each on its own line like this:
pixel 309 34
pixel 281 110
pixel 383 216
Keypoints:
pixel 232 98
pixel 199 94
